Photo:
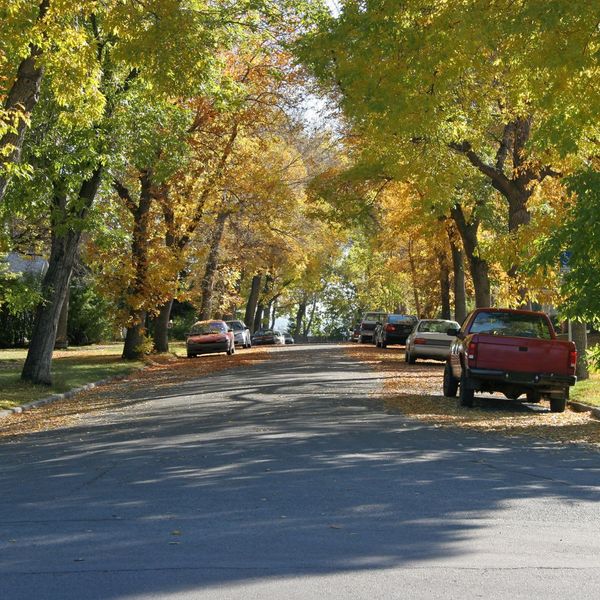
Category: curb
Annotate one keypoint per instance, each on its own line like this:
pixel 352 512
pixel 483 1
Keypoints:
pixel 579 407
pixel 69 394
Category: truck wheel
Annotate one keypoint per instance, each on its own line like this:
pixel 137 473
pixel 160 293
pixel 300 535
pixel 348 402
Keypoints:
pixel 450 382
pixel 467 394
pixel 558 405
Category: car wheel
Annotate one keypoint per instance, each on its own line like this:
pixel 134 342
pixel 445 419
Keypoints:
pixel 558 405
pixel 231 350
pixel 384 344
pixel 410 358
pixel 450 382
pixel 467 394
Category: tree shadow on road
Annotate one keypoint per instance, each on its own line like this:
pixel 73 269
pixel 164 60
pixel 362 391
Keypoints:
pixel 291 472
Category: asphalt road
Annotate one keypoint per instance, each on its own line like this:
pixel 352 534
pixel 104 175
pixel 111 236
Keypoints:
pixel 286 480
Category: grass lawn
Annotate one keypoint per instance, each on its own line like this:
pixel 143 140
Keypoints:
pixel 587 391
pixel 70 368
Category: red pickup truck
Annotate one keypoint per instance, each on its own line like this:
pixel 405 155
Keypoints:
pixel 514 352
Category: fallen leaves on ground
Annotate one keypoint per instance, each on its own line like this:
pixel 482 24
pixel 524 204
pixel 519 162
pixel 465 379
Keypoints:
pixel 416 391
pixel 162 371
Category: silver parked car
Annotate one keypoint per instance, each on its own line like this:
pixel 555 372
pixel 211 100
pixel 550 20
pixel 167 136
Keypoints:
pixel 429 339
pixel 241 333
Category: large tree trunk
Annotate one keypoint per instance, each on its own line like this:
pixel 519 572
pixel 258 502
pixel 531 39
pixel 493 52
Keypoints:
pixel 65 240
pixel 579 333
pixel 479 267
pixel 212 264
pixel 62 332
pixel 23 96
pixel 444 285
pixel 136 329
pixel 460 293
pixel 134 339
pixel 252 303
pixel 413 275
pixel 161 327
pixel 300 316
pixel 258 317
pixel 309 323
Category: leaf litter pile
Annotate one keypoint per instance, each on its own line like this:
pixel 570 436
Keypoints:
pixel 416 391
pixel 161 371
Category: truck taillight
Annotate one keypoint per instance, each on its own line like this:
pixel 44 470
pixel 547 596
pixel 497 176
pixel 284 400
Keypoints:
pixel 472 351
pixel 573 359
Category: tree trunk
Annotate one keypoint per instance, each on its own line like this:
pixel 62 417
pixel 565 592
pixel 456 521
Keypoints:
pixel 62 332
pixel 273 312
pixel 258 317
pixel 444 285
pixel 460 293
pixel 212 264
pixel 478 266
pixel 23 96
pixel 310 318
pixel 65 241
pixel 161 327
pixel 300 316
pixel 133 347
pixel 252 303
pixel 579 332
pixel 413 275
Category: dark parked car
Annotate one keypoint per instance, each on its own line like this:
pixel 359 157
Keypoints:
pixel 288 338
pixel 267 336
pixel 241 333
pixel 394 329
pixel 209 336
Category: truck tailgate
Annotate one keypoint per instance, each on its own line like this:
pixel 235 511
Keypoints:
pixel 526 355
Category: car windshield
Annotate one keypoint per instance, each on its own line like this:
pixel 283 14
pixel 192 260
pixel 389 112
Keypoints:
pixel 208 328
pixel 404 319
pixel 374 316
pixel 511 324
pixel 235 325
pixel 437 326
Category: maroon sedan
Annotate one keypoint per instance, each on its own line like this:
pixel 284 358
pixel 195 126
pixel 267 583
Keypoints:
pixel 210 336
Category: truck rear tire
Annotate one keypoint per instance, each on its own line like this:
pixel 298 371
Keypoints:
pixel 467 394
pixel 450 382
pixel 558 405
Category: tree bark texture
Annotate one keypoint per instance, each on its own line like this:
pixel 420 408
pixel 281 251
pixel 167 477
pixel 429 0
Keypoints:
pixel 65 240
pixel 444 285
pixel 23 96
pixel 252 301
pixel 413 275
pixel 62 332
pixel 478 266
pixel 579 333
pixel 258 317
pixel 140 212
pixel 161 327
pixel 300 316
pixel 212 265
pixel 460 292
